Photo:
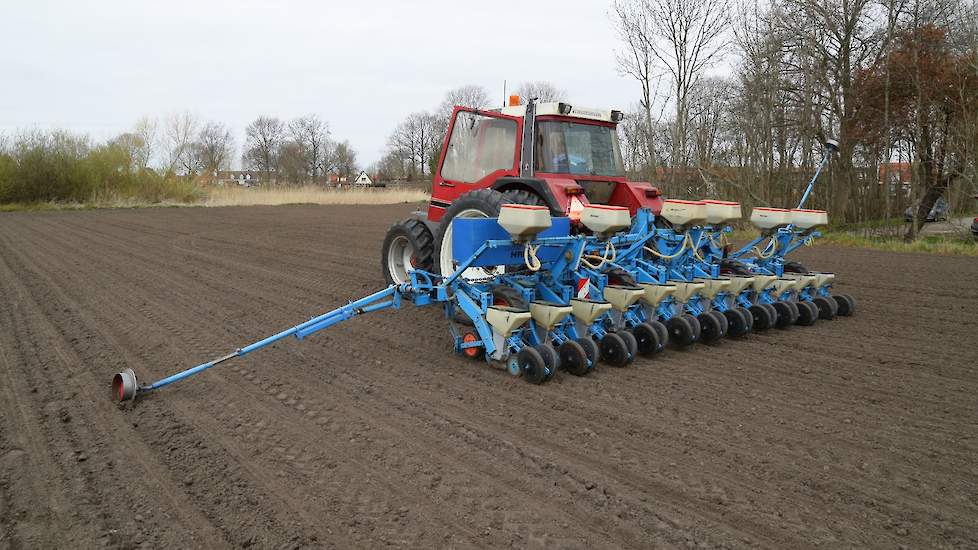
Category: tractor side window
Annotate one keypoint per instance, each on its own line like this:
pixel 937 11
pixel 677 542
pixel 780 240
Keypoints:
pixel 479 146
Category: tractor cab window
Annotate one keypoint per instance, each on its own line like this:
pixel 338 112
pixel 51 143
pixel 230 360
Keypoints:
pixel 574 148
pixel 479 146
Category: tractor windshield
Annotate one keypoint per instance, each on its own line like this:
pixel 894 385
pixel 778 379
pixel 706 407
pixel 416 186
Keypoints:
pixel 575 148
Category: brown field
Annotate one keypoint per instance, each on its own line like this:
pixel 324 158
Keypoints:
pixel 855 433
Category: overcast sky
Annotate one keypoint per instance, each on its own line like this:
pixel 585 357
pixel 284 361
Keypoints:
pixel 362 65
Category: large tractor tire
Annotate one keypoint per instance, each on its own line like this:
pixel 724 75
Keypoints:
pixel 521 196
pixel 480 203
pixel 408 245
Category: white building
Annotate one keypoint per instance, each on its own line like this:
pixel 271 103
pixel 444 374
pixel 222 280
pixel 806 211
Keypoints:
pixel 363 179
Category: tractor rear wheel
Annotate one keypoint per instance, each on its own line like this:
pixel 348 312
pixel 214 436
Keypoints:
pixel 480 203
pixel 408 245
pixel 520 196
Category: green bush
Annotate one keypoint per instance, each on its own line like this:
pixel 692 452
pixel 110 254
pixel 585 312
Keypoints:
pixel 60 167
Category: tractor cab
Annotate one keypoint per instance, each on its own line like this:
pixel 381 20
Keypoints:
pixel 554 154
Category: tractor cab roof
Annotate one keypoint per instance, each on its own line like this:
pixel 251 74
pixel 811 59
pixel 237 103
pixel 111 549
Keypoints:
pixel 565 110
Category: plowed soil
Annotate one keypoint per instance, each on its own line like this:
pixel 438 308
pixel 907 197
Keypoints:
pixel 859 432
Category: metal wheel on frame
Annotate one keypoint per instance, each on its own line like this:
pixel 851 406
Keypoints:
pixel 737 325
pixel 614 350
pixel 532 365
pixel 784 319
pixel 573 358
pixel 590 349
pixel 681 333
pixel 825 309
pixel 647 339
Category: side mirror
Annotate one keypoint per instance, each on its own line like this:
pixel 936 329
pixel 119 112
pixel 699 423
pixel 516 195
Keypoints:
pixel 832 145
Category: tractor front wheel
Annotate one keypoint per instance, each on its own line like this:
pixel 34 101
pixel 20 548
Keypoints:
pixel 408 245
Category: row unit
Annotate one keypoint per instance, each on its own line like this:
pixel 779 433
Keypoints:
pixel 524 221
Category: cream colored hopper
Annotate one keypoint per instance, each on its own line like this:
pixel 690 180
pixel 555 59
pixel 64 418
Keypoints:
pixel 524 221
pixel 738 283
pixel 603 219
pixel 587 311
pixel 782 285
pixel 683 212
pixel 622 297
pixel 823 279
pixel 806 219
pixel 685 290
pixel 806 280
pixel 654 294
pixel 506 319
pixel 711 287
pixel 547 314
pixel 769 218
pixel 718 212
pixel 763 281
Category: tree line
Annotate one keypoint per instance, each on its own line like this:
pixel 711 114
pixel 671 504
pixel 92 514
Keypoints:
pixel 165 159
pixel 895 81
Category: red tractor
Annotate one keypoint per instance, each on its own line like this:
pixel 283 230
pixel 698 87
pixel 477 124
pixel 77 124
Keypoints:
pixel 553 154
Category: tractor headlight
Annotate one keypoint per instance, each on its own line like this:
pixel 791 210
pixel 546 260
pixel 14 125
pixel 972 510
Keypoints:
pixel 617 116
pixel 564 108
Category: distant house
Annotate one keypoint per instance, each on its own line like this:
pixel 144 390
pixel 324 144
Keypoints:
pixel 244 178
pixel 363 179
pixel 335 179
pixel 896 176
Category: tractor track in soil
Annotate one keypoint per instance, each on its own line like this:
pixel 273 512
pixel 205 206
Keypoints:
pixel 859 432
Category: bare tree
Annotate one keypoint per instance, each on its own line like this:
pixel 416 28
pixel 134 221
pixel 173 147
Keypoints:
pixel 414 140
pixel 213 147
pixel 541 90
pixel 179 132
pixel 262 140
pixel 291 162
pixel 345 160
pixel 637 61
pixel 471 95
pixel 685 38
pixel 311 134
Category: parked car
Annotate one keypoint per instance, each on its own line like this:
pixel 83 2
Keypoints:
pixel 938 212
